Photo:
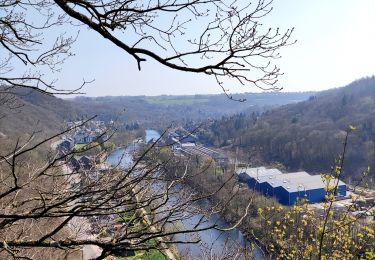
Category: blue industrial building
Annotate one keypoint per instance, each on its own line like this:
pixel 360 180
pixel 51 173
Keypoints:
pixel 287 188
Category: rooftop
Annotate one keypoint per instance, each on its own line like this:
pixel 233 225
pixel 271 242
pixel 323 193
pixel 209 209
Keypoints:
pixel 259 172
pixel 292 182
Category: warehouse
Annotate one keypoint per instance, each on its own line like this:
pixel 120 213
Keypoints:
pixel 287 188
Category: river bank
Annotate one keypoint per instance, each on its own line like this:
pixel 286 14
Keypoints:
pixel 213 241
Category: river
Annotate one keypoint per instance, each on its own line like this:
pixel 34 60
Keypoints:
pixel 219 242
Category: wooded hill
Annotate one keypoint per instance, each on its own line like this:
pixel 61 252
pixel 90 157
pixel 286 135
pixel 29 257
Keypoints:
pixel 307 135
pixel 34 111
pixel 161 111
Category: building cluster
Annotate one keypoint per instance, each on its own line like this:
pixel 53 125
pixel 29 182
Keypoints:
pixel 185 143
pixel 288 188
pixel 81 134
pixel 181 138
pixel 205 152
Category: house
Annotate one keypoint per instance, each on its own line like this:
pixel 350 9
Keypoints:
pixel 81 163
pixel 188 139
pixel 65 145
pixel 85 137
pixel 80 137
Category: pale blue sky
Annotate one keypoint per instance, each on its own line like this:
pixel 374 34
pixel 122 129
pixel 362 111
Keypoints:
pixel 336 45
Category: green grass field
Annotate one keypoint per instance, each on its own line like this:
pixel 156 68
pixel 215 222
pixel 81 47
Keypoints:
pixel 79 147
pixel 153 254
pixel 175 101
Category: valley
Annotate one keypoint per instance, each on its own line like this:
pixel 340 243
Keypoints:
pixel 203 148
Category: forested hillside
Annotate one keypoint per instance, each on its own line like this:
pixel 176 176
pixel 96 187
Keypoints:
pixel 161 111
pixel 307 135
pixel 32 111
pixel 29 111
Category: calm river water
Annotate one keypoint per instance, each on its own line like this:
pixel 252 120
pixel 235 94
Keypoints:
pixel 216 240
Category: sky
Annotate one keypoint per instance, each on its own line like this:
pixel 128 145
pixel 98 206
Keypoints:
pixel 335 46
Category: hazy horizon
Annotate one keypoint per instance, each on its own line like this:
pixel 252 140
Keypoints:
pixel 219 93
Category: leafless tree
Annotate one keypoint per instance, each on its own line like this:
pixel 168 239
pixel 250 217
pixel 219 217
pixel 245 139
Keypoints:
pixel 224 39
pixel 53 208
pixel 26 53
pixel 45 205
pixel 219 38
pixel 23 26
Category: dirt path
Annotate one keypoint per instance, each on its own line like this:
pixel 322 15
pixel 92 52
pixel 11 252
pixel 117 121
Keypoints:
pixel 167 252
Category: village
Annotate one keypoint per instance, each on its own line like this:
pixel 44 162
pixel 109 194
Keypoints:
pixel 82 133
pixel 287 188
pixel 83 169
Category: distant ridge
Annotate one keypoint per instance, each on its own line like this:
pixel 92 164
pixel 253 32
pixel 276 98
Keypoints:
pixel 162 110
pixel 47 113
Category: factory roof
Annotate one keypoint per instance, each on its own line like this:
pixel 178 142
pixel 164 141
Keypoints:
pixel 292 182
pixel 259 172
pixel 312 182
pixel 284 177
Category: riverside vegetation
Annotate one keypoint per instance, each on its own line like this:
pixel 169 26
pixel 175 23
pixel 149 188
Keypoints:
pixel 297 232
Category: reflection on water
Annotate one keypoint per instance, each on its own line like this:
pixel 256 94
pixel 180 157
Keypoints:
pixel 214 242
pixel 151 135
